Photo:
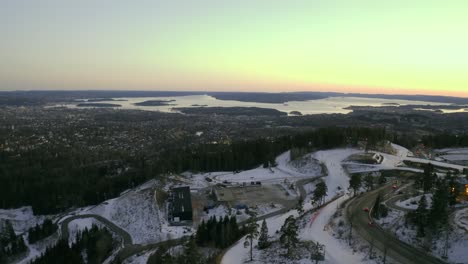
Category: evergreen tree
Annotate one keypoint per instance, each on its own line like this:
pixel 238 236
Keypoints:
pixel 453 188
pixel 201 235
pixel 438 214
pixel 227 232
pixel 382 179
pixel 377 205
pixel 429 177
pixel 3 258
pixel 42 231
pixel 191 253
pixel 60 253
pixel 369 182
pixel 289 235
pixel 355 182
pixel 252 233
pixel 219 233
pixel 420 216
pixel 320 192
pixel 300 206
pixel 157 256
pixel 9 232
pixel 234 229
pixel 263 238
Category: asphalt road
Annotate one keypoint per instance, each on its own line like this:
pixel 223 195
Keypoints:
pixel 381 239
pixel 126 238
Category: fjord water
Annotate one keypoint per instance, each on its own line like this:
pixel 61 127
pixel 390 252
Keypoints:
pixel 322 106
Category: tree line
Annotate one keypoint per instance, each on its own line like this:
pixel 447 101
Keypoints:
pixel 218 233
pixel 54 178
pixel 96 244
pixel 445 140
pixel 444 192
pixel 11 244
pixel 42 231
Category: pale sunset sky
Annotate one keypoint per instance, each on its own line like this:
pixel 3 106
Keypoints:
pixel 366 46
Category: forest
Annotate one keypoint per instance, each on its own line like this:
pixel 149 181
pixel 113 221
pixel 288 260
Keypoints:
pixel 96 244
pixel 54 178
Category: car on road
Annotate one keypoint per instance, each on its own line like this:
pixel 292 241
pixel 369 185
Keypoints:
pixel 366 209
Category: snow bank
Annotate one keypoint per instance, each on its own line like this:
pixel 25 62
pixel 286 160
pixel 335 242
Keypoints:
pixel 412 203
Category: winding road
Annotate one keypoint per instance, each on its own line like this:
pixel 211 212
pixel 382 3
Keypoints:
pixel 64 233
pixel 381 239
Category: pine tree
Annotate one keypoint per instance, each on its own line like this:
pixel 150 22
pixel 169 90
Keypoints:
pixel 201 235
pixel 453 188
pixel 252 233
pixel 9 231
pixel 438 213
pixel 320 192
pixel 3 258
pixel 289 235
pixel 376 208
pixel 227 231
pixel 234 228
pixel 355 182
pixel 428 177
pixel 300 206
pixel 191 253
pixel 369 182
pixel 263 238
pixel 420 215
pixel 157 256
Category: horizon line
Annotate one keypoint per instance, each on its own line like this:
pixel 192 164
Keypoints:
pixel 230 91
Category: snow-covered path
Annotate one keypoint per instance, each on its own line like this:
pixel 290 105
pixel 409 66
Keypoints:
pixel 336 253
pixel 337 180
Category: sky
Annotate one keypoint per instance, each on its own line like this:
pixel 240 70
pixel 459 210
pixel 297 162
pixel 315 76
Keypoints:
pixel 365 46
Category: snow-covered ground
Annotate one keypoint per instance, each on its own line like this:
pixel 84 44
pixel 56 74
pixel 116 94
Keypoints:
pixel 461 219
pixel 437 163
pixel 221 211
pixel 336 251
pixel 139 259
pixel 396 223
pixel 412 203
pixel 21 218
pixel 36 249
pixel 306 166
pixel 337 182
pixel 454 155
pixel 138 214
pixel 79 225
pixel 285 170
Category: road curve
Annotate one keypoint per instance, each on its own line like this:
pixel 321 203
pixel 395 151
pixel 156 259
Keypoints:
pixel 126 238
pixel 381 239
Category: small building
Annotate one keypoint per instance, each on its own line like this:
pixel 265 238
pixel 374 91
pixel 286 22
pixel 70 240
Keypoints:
pixel 180 205
pixel 462 184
